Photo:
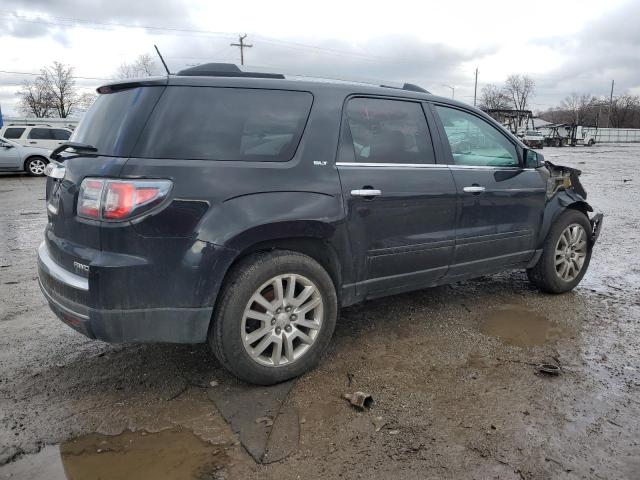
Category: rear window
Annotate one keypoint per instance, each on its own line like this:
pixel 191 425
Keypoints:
pixel 13 133
pixel 209 123
pixel 115 120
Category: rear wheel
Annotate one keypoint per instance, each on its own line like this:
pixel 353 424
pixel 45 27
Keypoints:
pixel 566 254
pixel 275 317
pixel 35 166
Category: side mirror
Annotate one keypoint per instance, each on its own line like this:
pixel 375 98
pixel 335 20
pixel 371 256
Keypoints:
pixel 7 145
pixel 532 159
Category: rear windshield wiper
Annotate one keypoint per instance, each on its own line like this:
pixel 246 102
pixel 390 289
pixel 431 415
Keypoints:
pixel 78 147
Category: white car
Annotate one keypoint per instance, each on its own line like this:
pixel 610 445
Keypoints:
pixel 43 136
pixel 17 158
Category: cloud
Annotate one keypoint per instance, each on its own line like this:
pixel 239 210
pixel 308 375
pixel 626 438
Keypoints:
pixel 605 49
pixel 580 48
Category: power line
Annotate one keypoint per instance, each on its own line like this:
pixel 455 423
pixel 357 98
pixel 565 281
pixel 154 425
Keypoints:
pixel 38 74
pixel 72 22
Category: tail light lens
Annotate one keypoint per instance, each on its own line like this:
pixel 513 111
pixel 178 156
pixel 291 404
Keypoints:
pixel 104 199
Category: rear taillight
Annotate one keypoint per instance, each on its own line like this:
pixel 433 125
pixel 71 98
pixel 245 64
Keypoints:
pixel 104 199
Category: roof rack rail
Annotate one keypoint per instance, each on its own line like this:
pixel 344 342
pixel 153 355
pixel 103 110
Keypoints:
pixel 224 70
pixel 408 86
pixel 232 70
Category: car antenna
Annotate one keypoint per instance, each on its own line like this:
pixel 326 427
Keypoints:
pixel 162 60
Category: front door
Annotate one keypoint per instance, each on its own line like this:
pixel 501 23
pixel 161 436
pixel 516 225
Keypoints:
pixel 9 156
pixel 500 204
pixel 400 204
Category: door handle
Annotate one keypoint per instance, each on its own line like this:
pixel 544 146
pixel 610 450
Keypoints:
pixel 366 192
pixel 474 189
pixel 33 143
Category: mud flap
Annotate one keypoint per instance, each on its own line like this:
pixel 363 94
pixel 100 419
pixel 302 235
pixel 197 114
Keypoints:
pixel 596 226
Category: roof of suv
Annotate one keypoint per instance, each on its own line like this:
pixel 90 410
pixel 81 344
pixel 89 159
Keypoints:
pixel 215 75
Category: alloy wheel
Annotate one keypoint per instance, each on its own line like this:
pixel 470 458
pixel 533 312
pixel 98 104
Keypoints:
pixel 36 166
pixel 282 320
pixel 571 252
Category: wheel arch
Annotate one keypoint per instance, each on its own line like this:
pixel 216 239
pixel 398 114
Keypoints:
pixel 561 202
pixel 32 156
pixel 318 248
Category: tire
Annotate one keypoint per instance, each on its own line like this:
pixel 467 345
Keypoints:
pixel 235 317
pixel 546 275
pixel 34 166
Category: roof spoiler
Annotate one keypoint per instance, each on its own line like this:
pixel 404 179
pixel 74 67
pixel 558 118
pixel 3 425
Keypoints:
pixel 224 70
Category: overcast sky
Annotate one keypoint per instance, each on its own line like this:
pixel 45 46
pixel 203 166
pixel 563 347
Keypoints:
pixel 564 45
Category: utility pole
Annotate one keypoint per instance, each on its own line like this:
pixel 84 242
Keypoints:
pixel 475 88
pixel 453 89
pixel 242 46
pixel 611 102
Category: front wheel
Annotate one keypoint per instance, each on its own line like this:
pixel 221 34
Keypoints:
pixel 566 254
pixel 35 166
pixel 275 317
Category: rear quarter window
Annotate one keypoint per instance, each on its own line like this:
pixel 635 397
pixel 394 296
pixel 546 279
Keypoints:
pixel 60 134
pixel 213 123
pixel 115 120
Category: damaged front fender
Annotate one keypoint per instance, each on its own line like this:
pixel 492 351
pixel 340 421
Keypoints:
pixel 565 191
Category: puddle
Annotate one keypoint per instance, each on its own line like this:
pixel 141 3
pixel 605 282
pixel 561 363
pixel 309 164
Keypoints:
pixel 517 325
pixel 167 455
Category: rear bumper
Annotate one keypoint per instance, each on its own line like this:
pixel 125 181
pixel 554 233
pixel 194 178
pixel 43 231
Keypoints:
pixel 69 296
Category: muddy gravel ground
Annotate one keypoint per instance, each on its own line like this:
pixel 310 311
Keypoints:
pixel 451 371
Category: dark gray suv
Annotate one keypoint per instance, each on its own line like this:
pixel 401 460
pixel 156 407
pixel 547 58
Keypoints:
pixel 244 209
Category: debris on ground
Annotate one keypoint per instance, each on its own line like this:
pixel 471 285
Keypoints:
pixel 267 421
pixel 359 400
pixel 548 368
pixel 379 423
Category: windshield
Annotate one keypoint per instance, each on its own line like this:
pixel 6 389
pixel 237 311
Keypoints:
pixel 115 120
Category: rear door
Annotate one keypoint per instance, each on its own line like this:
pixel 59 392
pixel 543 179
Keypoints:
pixel 500 203
pixel 41 137
pixel 400 204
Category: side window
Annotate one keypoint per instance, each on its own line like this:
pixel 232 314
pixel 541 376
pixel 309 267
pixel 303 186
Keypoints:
pixel 474 141
pixel 210 123
pixel 60 134
pixel 389 131
pixel 40 134
pixel 13 133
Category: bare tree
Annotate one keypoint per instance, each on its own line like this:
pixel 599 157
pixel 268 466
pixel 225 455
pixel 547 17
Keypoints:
pixel 493 98
pixel 578 106
pixel 519 89
pixel 625 111
pixel 35 99
pixel 85 100
pixel 143 66
pixel 61 87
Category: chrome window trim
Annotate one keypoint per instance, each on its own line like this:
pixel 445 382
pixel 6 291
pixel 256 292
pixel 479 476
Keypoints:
pixel 399 165
pixel 433 165
pixel 59 273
